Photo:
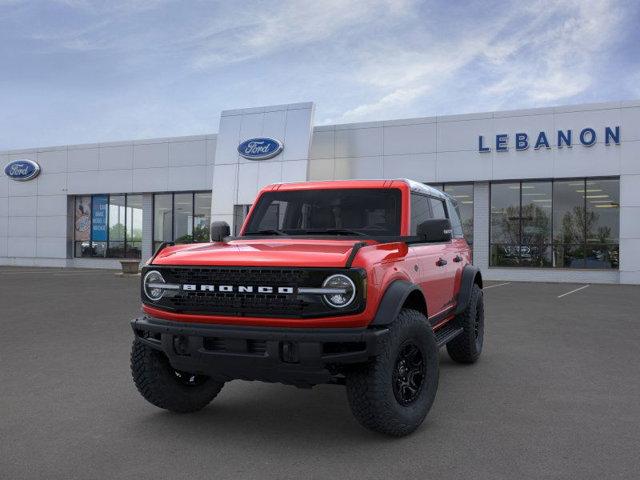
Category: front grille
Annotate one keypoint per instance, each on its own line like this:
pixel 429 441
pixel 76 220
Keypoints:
pixel 237 276
pixel 251 303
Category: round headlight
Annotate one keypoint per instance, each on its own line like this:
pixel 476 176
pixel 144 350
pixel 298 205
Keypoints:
pixel 344 291
pixel 151 283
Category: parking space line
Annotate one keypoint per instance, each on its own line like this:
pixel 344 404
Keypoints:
pixel 496 285
pixel 573 291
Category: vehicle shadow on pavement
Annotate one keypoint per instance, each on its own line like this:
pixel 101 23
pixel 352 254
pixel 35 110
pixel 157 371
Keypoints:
pixel 272 412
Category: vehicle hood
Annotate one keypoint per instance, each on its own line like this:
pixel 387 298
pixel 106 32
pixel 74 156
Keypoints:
pixel 260 252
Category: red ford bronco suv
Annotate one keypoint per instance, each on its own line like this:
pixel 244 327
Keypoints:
pixel 354 283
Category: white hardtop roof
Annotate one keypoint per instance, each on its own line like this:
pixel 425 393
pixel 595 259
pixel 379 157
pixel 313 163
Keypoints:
pixel 420 187
pixel 414 185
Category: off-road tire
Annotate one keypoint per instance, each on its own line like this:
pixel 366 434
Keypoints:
pixel 158 383
pixel 370 388
pixel 467 347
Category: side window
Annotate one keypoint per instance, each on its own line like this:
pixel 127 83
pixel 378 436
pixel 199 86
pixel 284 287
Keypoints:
pixel 420 211
pixel 437 206
pixel 454 216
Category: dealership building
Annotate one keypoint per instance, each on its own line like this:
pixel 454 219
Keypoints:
pixel 547 194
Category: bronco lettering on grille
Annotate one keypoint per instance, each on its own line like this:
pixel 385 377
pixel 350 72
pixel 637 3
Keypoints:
pixel 190 287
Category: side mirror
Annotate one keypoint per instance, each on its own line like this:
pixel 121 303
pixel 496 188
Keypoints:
pixel 435 230
pixel 219 230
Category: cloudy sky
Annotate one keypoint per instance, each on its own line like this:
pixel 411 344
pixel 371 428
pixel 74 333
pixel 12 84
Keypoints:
pixel 80 71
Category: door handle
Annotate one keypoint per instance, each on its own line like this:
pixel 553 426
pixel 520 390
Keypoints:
pixel 457 258
pixel 441 262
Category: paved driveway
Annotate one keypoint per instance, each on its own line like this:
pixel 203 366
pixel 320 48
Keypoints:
pixel 555 395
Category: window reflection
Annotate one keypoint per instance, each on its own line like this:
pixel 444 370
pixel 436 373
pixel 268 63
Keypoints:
pixel 569 223
pixel 182 217
pixel 505 213
pixel 603 223
pixel 134 226
pixel 535 243
pixel 117 220
pixel 505 224
pixel 108 226
pixel 201 217
pixel 603 211
pixel 162 219
pixel 568 212
pixel 564 224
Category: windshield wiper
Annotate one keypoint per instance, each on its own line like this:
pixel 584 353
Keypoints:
pixel 336 231
pixel 267 232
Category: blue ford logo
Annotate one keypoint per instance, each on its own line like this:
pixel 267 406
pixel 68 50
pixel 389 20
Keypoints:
pixel 22 170
pixel 260 148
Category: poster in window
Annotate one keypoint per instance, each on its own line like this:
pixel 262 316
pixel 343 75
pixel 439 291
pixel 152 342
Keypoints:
pixel 83 218
pixel 99 214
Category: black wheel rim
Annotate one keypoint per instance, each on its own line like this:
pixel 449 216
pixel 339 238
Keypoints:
pixel 189 379
pixel 478 326
pixel 408 373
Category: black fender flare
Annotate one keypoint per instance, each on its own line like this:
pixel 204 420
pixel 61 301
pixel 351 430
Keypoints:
pixel 393 300
pixel 469 275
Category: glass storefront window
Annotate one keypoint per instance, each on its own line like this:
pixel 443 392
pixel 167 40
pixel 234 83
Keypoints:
pixel 563 224
pixel 603 211
pixel 82 226
pixel 603 223
pixel 568 211
pixel 162 219
pixel 535 243
pixel 108 226
pixel 568 223
pixel 117 219
pixel 134 226
pixel 505 224
pixel 182 217
pixel 201 216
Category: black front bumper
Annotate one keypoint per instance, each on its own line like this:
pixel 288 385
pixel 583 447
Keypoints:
pixel 297 356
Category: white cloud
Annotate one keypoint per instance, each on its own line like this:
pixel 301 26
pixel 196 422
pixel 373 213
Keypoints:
pixel 554 63
pixel 161 67
pixel 112 6
pixel 258 32
pixel 397 98
pixel 543 53
pixel 404 77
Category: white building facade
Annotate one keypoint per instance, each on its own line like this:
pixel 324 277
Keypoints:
pixel 549 194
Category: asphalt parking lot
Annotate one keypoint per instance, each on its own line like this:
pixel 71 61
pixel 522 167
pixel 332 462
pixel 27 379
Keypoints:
pixel 555 395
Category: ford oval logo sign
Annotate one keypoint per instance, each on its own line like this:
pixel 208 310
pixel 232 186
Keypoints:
pixel 22 170
pixel 260 148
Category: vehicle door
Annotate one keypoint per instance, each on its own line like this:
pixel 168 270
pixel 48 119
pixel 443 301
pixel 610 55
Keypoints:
pixel 448 259
pixel 462 252
pixel 425 257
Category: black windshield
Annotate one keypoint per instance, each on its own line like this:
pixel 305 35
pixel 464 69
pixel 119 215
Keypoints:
pixel 338 212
